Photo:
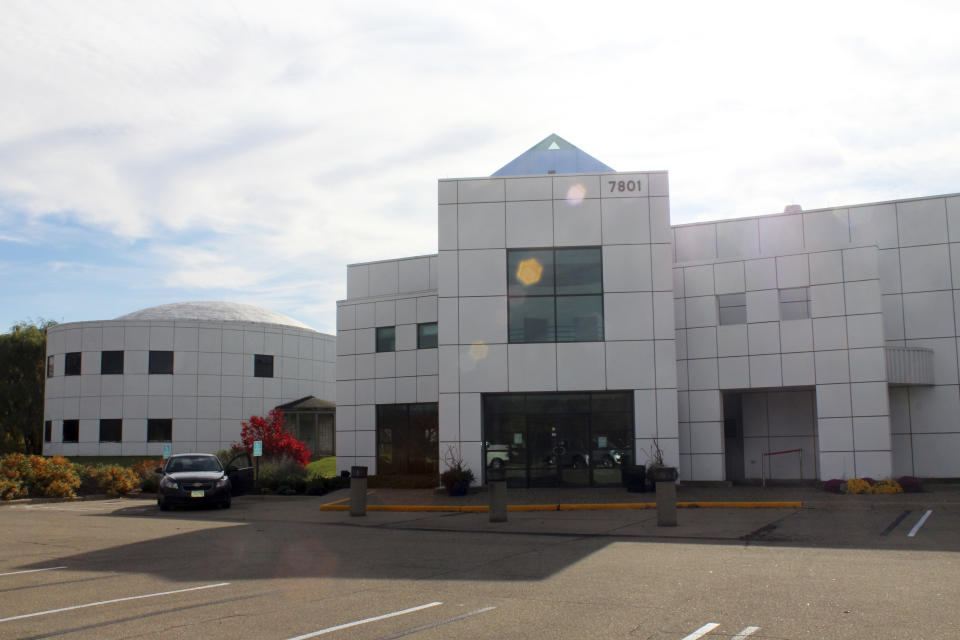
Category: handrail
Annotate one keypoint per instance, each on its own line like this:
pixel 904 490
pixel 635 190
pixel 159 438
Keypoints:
pixel 763 475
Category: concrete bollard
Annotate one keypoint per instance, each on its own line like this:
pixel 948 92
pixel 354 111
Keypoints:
pixel 497 486
pixel 665 479
pixel 358 491
pixel 666 504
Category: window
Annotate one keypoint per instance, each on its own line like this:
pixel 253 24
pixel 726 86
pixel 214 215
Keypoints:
pixel 386 339
pixel 71 430
pixel 555 295
pixel 732 308
pixel 48 431
pixel 795 303
pixel 161 362
pixel 407 439
pixel 72 365
pixel 427 335
pixel 159 430
pixel 111 430
pixel 111 362
pixel 49 366
pixel 262 366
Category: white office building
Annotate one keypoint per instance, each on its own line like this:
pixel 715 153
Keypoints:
pixel 565 327
pixel 184 375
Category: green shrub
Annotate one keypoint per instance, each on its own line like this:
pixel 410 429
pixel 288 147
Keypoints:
pixel 318 486
pixel 112 479
pixel 282 475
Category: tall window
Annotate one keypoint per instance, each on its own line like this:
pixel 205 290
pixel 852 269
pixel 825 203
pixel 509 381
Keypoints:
pixel 49 366
pixel 111 430
pixel 48 431
pixel 555 295
pixel 386 339
pixel 159 430
pixel 427 335
pixel 71 430
pixel 71 365
pixel 732 308
pixel 262 366
pixel 161 362
pixel 111 362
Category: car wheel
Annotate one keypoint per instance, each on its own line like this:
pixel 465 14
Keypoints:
pixel 163 506
pixel 496 463
pixel 226 504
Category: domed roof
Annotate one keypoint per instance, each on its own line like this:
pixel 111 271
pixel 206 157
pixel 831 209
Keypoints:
pixel 213 312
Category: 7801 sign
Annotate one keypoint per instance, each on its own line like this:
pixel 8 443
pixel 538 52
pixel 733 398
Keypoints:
pixel 623 185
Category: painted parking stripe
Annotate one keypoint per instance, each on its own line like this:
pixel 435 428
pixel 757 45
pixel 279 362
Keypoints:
pixel 347 625
pixel 102 602
pixel 919 524
pixel 16 573
pixel 439 623
pixel 748 631
pixel 702 631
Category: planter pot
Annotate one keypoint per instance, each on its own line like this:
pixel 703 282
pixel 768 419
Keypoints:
pixel 663 474
pixel 458 488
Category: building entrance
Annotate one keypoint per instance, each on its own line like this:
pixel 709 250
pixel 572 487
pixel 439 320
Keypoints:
pixel 559 439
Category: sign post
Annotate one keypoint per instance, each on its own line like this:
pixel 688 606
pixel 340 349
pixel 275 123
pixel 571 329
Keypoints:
pixel 166 450
pixel 257 454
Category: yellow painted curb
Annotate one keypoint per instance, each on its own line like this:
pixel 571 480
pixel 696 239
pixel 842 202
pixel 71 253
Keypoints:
pixel 597 506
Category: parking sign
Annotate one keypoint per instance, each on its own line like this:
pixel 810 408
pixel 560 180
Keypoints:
pixel 257 448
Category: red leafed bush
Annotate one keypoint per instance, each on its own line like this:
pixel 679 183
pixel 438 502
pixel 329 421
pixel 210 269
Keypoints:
pixel 277 441
pixel 910 484
pixel 834 486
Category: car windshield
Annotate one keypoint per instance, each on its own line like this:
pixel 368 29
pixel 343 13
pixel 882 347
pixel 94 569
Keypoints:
pixel 193 463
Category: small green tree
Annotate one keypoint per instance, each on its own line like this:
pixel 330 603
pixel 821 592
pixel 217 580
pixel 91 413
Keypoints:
pixel 22 352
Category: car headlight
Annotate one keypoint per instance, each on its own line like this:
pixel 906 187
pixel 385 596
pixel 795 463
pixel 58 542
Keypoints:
pixel 169 483
pixel 223 482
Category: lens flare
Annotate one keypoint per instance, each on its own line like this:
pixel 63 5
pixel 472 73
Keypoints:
pixel 478 350
pixel 529 271
pixel 575 194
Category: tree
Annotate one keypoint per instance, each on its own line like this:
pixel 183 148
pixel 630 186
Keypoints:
pixel 22 371
pixel 277 441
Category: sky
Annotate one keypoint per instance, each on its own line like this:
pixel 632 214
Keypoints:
pixel 157 152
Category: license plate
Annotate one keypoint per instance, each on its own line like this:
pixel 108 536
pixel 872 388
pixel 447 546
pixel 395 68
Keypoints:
pixel 196 493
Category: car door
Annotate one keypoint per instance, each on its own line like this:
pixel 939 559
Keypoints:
pixel 240 472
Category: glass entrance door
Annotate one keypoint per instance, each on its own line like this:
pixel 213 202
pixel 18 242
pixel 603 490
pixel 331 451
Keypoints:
pixel 558 453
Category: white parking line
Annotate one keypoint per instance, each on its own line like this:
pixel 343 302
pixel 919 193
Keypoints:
pixel 748 631
pixel 702 631
pixel 97 604
pixel 434 625
pixel 919 524
pixel 314 634
pixel 15 573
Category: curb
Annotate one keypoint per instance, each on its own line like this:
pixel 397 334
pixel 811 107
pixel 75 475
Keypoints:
pixel 604 506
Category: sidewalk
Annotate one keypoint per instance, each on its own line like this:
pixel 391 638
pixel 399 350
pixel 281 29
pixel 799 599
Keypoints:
pixel 549 499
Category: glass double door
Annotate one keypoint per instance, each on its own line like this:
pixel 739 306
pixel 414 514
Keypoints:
pixel 558 451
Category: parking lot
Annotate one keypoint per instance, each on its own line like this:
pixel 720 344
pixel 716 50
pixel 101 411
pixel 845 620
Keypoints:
pixel 274 567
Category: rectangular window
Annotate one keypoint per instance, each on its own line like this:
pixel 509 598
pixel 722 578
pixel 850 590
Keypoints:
pixel 71 430
pixel 111 362
pixel 48 431
pixel 159 430
pixel 795 303
pixel 161 362
pixel 49 366
pixel 262 366
pixel 111 430
pixel 732 308
pixel 555 295
pixel 427 335
pixel 72 365
pixel 386 339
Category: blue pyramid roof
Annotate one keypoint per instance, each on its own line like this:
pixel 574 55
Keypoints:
pixel 551 155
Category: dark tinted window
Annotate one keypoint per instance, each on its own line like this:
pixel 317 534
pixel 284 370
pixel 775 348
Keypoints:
pixel 159 430
pixel 386 339
pixel 111 362
pixel 49 366
pixel 407 439
pixel 47 431
pixel 72 365
pixel 161 362
pixel 111 430
pixel 427 335
pixel 71 430
pixel 262 366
